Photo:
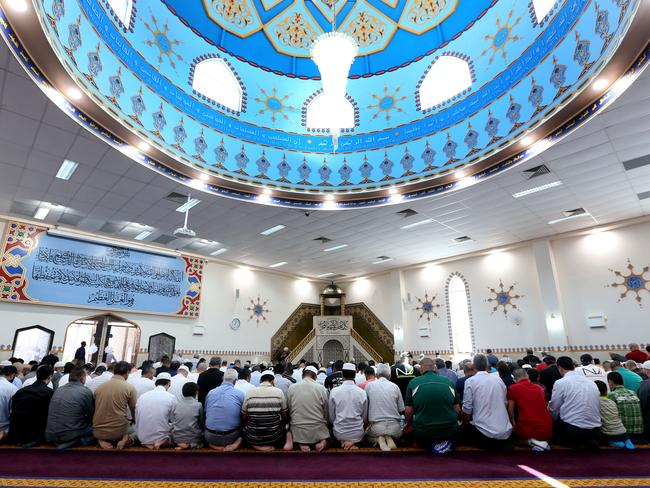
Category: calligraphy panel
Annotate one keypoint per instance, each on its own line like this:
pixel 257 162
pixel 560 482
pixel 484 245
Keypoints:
pixel 37 267
pixel 333 324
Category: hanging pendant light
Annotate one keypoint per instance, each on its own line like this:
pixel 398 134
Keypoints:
pixel 334 53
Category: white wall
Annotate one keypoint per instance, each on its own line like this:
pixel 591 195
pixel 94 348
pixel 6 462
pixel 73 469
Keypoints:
pixel 218 307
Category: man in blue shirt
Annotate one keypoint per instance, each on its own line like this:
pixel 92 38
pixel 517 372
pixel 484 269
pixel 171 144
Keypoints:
pixel 223 414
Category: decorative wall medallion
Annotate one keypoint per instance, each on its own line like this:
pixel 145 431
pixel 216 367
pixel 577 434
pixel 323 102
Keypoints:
pixel 502 34
pixel 633 282
pixel 386 103
pixel 160 39
pixel 428 307
pixel 258 310
pixel 274 104
pixel 504 298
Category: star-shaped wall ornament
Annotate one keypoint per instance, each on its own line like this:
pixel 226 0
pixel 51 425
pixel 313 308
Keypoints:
pixel 634 282
pixel 504 298
pixel 428 306
pixel 258 310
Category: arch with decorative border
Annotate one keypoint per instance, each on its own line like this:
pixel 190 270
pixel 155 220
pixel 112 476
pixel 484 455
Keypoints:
pixel 469 310
pixel 533 14
pixel 472 73
pixel 111 13
pixel 312 97
pixel 205 57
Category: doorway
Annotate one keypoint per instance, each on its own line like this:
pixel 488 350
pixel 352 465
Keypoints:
pixel 108 338
pixel 333 351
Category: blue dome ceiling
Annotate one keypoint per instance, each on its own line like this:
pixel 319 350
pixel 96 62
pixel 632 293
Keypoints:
pixel 225 87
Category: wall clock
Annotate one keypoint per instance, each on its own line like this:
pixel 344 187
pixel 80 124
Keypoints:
pixel 235 324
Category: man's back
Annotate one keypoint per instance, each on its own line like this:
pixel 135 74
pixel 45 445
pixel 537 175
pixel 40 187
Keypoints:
pixel 264 407
pixel 485 399
pixel 433 398
pixel 29 407
pixel 347 408
pixel 629 408
pixel 112 399
pixel 548 377
pixel 307 402
pixel 533 418
pixel 153 415
pixel 223 408
pixel 637 355
pixel 576 401
pixel 385 400
pixel 334 380
pixel 593 372
pixel 70 413
pixel 631 380
pixel 208 380
pixel 7 391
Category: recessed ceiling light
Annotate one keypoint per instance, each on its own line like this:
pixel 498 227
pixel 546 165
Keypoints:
pixel 416 224
pixel 384 260
pixel 335 248
pixel 272 230
pixel 263 198
pixel 547 186
pixel 191 203
pixel 267 191
pixel 218 251
pixel 570 217
pixel 325 275
pixel 204 177
pixel 67 169
pixel 143 146
pixel 143 235
pixel 465 182
pixel 208 241
pixel 277 265
pixel 600 84
pixel 459 174
pixel 392 190
pixel 41 213
pixel 329 198
pixel 527 141
pixel 18 5
pixel 74 93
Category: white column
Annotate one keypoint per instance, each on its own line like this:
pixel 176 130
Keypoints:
pixel 397 311
pixel 550 290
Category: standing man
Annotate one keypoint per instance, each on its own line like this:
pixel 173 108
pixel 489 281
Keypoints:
pixel 432 408
pixel 385 409
pixel 80 354
pixel 154 414
pixel 575 405
pixel 112 399
pixel 307 401
pixel 348 409
pixel 29 408
pixel 70 416
pixel 485 401
pixel 210 378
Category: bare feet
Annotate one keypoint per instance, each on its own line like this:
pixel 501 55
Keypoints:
pixel 348 445
pixel 288 445
pixel 304 447
pixel 391 442
pixel 217 448
pixel 321 445
pixel 234 446
pixel 181 446
pixel 381 440
pixel 105 444
pixel 124 442
pixel 264 448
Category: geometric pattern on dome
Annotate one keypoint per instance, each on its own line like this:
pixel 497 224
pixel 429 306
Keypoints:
pixel 499 39
pixel 420 16
pixel 371 29
pixel 293 31
pixel 634 282
pixel 504 298
pixel 237 16
pixel 393 141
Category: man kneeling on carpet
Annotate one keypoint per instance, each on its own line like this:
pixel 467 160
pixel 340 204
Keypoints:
pixel 154 414
pixel 307 400
pixel 385 409
pixel 348 409
pixel 223 412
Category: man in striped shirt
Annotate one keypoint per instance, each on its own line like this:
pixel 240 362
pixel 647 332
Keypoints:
pixel 265 413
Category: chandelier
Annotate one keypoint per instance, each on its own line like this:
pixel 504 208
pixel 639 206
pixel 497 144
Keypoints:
pixel 334 53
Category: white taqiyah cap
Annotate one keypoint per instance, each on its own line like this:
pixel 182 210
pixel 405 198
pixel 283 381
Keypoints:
pixel 526 366
pixel 164 376
pixel 59 365
pixel 646 365
pixel 183 368
pixel 315 371
pixel 349 367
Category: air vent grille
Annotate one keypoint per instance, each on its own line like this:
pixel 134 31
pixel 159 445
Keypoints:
pixel 536 171
pixel 636 163
pixel 323 240
pixel 462 239
pixel 176 197
pixel 407 212
pixel 164 239
pixel 574 212
pixel 70 219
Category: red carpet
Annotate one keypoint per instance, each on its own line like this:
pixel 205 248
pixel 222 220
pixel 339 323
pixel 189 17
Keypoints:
pixel 332 466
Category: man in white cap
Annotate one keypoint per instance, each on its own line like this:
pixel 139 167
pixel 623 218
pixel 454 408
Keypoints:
pixel 385 408
pixel 348 409
pixel 307 401
pixel 154 414
pixel 58 372
pixel 178 381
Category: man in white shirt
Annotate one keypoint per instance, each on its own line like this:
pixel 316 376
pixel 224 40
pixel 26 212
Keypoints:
pixel 385 409
pixel 178 381
pixel 7 391
pixel 575 406
pixel 243 383
pixel 200 368
pixel 591 370
pixel 297 373
pixel 348 409
pixel 103 375
pixel 484 400
pixel 144 382
pixel 154 414
pixel 361 373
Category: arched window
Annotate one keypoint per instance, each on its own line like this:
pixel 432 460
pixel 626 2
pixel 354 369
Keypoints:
pixel 542 8
pixel 214 79
pixel 460 319
pixel 324 113
pixel 447 77
pixel 122 10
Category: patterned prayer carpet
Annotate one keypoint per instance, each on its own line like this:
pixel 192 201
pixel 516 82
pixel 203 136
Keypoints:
pixel 366 468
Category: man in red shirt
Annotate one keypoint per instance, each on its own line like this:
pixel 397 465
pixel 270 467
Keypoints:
pixel 636 354
pixel 529 412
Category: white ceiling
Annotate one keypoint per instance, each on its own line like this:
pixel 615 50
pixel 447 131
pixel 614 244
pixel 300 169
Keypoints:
pixel 108 188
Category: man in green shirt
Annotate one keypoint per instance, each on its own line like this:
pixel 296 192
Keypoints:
pixel 628 404
pixel 432 408
pixel 630 378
